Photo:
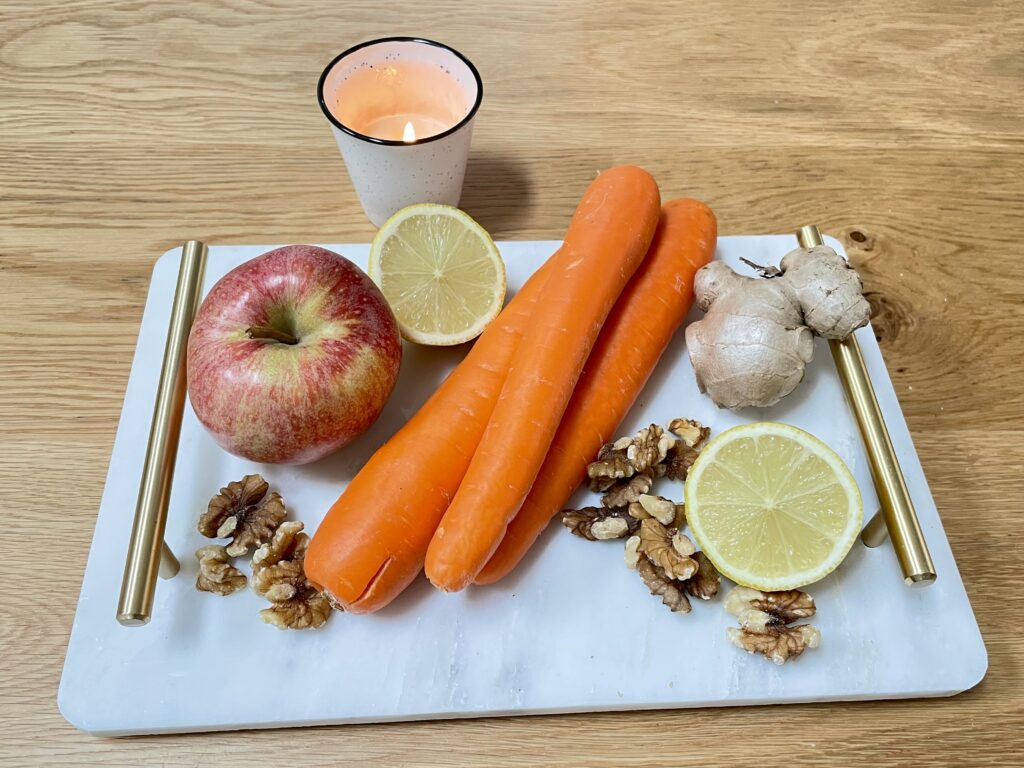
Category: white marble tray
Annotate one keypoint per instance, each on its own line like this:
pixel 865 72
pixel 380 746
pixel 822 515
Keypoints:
pixel 571 630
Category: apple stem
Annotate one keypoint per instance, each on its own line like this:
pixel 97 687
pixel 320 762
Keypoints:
pixel 266 332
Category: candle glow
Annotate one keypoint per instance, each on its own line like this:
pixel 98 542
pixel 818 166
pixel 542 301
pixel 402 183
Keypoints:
pixel 383 101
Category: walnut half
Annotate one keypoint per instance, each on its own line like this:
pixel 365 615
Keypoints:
pixel 278 575
pixel 216 573
pixel 779 644
pixel 244 512
pixel 662 585
pixel 756 609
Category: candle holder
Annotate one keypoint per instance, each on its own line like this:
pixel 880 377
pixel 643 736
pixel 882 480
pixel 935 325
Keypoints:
pixel 402 110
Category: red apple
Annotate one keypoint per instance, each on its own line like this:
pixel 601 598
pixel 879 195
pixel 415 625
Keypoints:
pixel 292 355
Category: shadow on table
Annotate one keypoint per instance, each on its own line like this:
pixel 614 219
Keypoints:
pixel 497 193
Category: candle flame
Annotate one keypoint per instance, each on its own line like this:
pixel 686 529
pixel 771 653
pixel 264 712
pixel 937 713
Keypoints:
pixel 409 133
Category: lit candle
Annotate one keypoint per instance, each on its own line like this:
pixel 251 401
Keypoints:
pixel 402 113
pixel 409 133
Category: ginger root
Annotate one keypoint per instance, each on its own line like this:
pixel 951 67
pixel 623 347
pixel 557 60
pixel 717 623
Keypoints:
pixel 753 345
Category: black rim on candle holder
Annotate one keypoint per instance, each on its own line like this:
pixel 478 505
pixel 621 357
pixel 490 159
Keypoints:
pixel 393 142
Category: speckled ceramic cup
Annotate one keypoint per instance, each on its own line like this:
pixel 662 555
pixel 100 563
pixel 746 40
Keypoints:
pixel 372 91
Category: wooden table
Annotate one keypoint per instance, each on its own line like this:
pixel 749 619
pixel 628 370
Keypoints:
pixel 129 127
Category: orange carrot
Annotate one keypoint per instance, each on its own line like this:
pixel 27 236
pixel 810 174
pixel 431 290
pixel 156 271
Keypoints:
pixel 372 542
pixel 607 239
pixel 634 337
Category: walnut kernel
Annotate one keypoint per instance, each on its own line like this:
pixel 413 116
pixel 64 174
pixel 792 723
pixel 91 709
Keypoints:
pixel 682 544
pixel 622 443
pixel 611 465
pixel 632 554
pixel 636 511
pixel 649 447
pixel 756 609
pixel 779 644
pixel 658 507
pixel 656 543
pixel 679 521
pixel 690 432
pixel 704 584
pixel 658 582
pixel 764 617
pixel 678 462
pixel 244 512
pixel 278 575
pixel 216 573
pixel 598 523
pixel 609 528
pixel 625 492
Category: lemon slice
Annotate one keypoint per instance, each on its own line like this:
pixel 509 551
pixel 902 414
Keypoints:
pixel 441 273
pixel 772 506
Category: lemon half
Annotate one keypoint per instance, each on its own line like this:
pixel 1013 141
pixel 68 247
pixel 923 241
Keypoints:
pixel 440 272
pixel 772 506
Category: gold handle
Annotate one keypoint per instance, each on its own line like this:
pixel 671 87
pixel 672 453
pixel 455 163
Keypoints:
pixel 147 552
pixel 897 508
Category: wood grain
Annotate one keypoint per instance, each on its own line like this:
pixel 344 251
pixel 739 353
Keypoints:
pixel 128 127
